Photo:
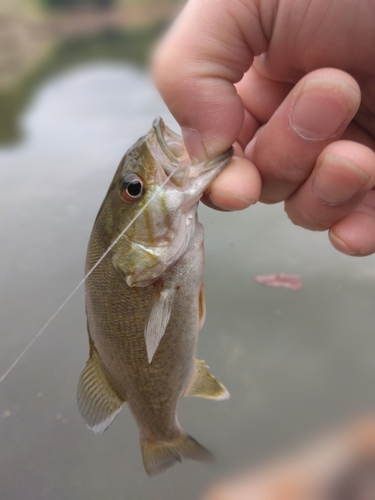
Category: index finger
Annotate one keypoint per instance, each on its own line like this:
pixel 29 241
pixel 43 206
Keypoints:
pixel 209 48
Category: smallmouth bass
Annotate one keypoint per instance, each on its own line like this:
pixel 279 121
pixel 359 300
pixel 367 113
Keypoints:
pixel 145 300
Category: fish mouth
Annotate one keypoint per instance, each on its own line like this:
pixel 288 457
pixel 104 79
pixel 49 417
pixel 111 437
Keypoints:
pixel 171 144
pixel 181 166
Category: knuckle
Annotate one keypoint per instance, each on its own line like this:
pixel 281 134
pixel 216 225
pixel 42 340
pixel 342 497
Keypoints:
pixel 307 217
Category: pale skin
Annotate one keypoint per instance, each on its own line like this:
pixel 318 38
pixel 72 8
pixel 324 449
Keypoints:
pixel 301 115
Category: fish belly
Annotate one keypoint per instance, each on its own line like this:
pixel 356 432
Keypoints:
pixel 117 315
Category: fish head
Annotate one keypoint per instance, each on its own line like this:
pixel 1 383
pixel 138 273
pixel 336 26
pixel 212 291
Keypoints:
pixel 155 195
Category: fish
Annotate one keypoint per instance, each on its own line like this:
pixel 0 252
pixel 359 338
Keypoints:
pixel 145 300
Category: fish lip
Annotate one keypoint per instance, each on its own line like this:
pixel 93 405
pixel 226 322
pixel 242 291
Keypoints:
pixel 212 163
pixel 194 169
pixel 159 127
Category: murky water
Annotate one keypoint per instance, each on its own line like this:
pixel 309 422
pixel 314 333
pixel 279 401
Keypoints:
pixel 293 361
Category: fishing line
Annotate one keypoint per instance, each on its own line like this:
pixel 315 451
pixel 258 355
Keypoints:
pixel 138 214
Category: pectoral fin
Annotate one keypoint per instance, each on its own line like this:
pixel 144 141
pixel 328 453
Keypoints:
pixel 205 385
pixel 160 312
pixel 97 401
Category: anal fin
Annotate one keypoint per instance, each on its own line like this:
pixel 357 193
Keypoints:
pixel 97 401
pixel 204 385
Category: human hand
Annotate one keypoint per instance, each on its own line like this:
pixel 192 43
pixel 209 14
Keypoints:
pixel 292 84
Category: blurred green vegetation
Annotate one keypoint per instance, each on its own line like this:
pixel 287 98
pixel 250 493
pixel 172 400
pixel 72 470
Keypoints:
pixel 95 4
pixel 78 4
pixel 131 46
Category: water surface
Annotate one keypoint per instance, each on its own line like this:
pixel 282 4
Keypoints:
pixel 293 361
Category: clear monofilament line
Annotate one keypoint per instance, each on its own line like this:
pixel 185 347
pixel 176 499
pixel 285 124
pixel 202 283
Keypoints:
pixel 16 361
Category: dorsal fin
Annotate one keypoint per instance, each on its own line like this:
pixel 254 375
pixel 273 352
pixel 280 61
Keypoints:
pixel 160 312
pixel 204 385
pixel 97 401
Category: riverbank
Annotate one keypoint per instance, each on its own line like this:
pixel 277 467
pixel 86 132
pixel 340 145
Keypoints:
pixel 34 47
pixel 27 37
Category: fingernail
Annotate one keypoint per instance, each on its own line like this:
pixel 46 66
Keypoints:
pixel 340 245
pixel 337 179
pixel 194 144
pixel 318 114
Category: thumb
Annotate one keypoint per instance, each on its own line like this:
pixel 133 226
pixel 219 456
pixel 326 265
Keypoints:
pixel 208 49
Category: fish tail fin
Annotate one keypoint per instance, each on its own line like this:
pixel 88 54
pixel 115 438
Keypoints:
pixel 159 456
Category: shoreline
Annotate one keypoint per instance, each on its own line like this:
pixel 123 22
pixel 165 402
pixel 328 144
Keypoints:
pixel 26 38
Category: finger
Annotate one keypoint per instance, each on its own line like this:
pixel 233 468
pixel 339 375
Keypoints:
pixel 249 128
pixel 261 96
pixel 237 187
pixel 239 489
pixel 355 234
pixel 197 64
pixel 314 114
pixel 343 175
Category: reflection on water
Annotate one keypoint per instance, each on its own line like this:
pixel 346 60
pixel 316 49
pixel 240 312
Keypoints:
pixel 292 361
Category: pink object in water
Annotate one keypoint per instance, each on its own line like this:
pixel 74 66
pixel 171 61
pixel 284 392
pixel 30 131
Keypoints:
pixel 291 281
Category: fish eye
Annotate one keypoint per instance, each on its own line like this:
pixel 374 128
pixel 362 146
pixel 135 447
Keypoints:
pixel 132 188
